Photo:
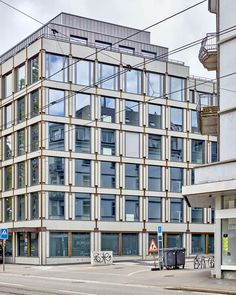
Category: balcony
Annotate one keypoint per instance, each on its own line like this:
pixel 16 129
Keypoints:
pixel 208 52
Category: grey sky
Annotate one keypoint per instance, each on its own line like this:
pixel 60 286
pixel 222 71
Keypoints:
pixel 173 33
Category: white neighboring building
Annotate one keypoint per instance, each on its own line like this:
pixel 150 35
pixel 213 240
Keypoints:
pixel 215 184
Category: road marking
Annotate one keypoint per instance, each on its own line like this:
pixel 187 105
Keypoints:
pixel 138 271
pixel 11 284
pixel 74 292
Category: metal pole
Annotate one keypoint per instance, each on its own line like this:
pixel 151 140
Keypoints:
pixel 3 255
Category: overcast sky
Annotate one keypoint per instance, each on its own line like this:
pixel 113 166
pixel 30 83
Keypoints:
pixel 183 29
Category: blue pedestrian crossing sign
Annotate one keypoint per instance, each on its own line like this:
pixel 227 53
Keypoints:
pixel 159 230
pixel 4 233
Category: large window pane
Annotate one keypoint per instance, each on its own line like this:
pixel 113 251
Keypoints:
pixel 132 112
pixel 34 165
pixel 108 109
pixel 56 205
pixel 132 81
pixel 154 84
pixel 132 144
pixel 34 134
pixel 80 244
pixel 198 243
pixel 83 72
pixel 108 174
pixel 132 208
pixel 177 91
pixel 176 149
pixel 20 110
pixel 8 248
pixel 8 147
pixel 20 207
pixel 58 244
pixel 194 122
pixel 228 242
pixel 154 209
pixel 20 78
pixel 174 241
pixel 21 175
pixel 210 249
pixel 176 119
pixel 20 142
pixel 83 173
pixel 107 76
pixel 108 207
pixel 56 101
pixel 154 178
pixel 56 137
pixel 7 85
pixel 34 103
pixel 56 170
pixel 198 151
pixel 176 210
pixel 197 215
pixel 56 67
pixel 214 156
pixel 83 106
pixel 33 69
pixel 110 242
pixel 131 176
pixel 8 122
pixel 82 206
pixel 8 178
pixel 8 209
pixel 82 139
pixel 154 116
pixel 154 147
pixel 130 244
pixel 34 206
pixel 176 179
pixel 108 142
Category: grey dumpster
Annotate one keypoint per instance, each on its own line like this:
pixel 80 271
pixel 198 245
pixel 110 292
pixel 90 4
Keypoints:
pixel 180 257
pixel 169 258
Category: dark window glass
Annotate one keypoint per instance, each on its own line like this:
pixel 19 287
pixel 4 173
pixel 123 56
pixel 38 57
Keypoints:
pixel 83 106
pixel 83 173
pixel 58 244
pixel 194 122
pixel 176 119
pixel 34 171
pixel 154 209
pixel 80 244
pixel 21 208
pixel 8 209
pixel 82 139
pixel 176 149
pixel 56 137
pixel 198 151
pixel 108 207
pixel 176 210
pixel 214 156
pixel 108 174
pixel 56 205
pixel 21 110
pixel 21 175
pixel 110 242
pixel 154 178
pixel 197 215
pixel 176 179
pixel 108 142
pixel 174 241
pixel 34 137
pixel 198 243
pixel 34 103
pixel 154 147
pixel 21 142
pixel 108 109
pixel 8 178
pixel 34 206
pixel 131 176
pixel 130 244
pixel 210 244
pixel 132 208
pixel 82 206
pixel 56 170
pixel 132 113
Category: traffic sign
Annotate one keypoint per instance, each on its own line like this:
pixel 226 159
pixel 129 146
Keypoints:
pixel 159 230
pixel 4 233
pixel 153 247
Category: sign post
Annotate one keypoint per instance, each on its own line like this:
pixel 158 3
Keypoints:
pixel 4 237
pixel 152 250
pixel 160 245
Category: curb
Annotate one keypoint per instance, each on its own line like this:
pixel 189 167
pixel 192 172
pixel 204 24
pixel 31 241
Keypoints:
pixel 206 290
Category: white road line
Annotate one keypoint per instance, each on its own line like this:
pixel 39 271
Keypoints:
pixel 74 292
pixel 10 284
pixel 138 271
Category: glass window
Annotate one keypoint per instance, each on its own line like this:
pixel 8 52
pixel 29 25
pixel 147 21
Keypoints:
pixel 80 244
pixel 8 147
pixel 82 206
pixel 20 142
pixel 8 178
pixel 174 241
pixel 176 179
pixel 191 96
pixel 83 106
pixel 198 151
pixel 228 241
pixel 20 78
pixel 56 101
pixel 22 242
pixel 21 175
pixel 198 243
pixel 154 209
pixel 21 208
pixel 132 112
pixel 7 85
pixel 130 244
pixel 204 99
pixel 107 76
pixel 83 72
pixel 132 208
pixel 34 137
pixel 177 91
pixel 108 207
pixel 8 122
pixel 197 215
pixel 132 176
pixel 108 142
pixel 34 165
pixel 132 81
pixel 56 67
pixel 176 153
pixel 154 116
pixel 194 122
pixel 8 247
pixel 212 215
pixel 125 49
pixel 21 110
pixel 229 202
pixel 154 178
pixel 108 109
pixel 56 205
pixel 56 170
pixel 82 139
pixel 8 209
pixel 108 174
pixel 56 136
pixel 210 249
pixel 192 176
pixel 132 144
pixel 34 103
pixel 34 206
pixel 58 244
pixel 102 44
pixel 154 147
pixel 83 173
pixel 148 54
pixel 176 210
pixel 27 244
pixel 78 39
pixel 214 156
pixel 154 84
pixel 176 119
pixel 110 242
pixel 34 69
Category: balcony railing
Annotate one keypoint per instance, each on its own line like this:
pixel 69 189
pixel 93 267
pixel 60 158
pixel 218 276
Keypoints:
pixel 208 52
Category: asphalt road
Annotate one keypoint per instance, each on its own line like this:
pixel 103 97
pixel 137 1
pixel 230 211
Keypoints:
pixel 118 279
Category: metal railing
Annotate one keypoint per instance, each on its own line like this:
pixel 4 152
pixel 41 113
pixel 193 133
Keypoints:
pixel 208 45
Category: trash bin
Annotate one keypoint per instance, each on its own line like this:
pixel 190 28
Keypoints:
pixel 180 257
pixel 169 258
